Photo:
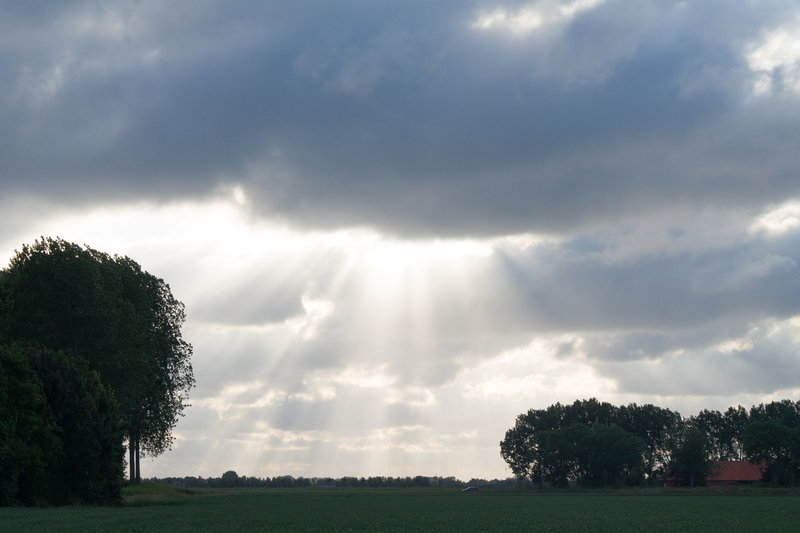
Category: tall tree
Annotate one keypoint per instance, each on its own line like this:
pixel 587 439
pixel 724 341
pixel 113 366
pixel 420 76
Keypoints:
pixel 520 449
pixel 614 457
pixel 527 447
pixel 691 455
pixel 655 426
pixel 711 424
pixel 89 465
pixel 735 421
pixel 28 439
pixel 122 320
pixel 773 436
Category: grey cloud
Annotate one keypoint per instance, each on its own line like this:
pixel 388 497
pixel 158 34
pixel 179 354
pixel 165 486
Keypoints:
pixel 396 117
pixel 578 290
pixel 764 369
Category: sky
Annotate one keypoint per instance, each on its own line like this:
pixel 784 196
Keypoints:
pixel 398 225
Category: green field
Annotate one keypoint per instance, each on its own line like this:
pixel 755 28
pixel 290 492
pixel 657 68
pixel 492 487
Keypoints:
pixel 418 510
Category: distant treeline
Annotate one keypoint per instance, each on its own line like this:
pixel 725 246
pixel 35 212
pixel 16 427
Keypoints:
pixel 593 443
pixel 231 479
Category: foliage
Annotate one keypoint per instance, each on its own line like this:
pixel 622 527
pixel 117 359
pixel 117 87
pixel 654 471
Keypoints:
pixel 28 439
pixel 723 431
pixel 580 443
pixel 86 415
pixel 121 320
pixel 773 436
pixel 61 439
pixel 653 425
pixel 691 456
pixel 776 445
pixel 231 479
pixel 556 446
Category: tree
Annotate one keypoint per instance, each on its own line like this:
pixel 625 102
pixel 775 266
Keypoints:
pixel 520 450
pixel 735 421
pixel 230 479
pixel 562 454
pixel 61 440
pixel 531 449
pixel 691 456
pixel 614 457
pixel 710 423
pixel 159 399
pixel 776 444
pixel 773 436
pixel 89 466
pixel 28 440
pixel 123 321
pixel 723 431
pixel 655 426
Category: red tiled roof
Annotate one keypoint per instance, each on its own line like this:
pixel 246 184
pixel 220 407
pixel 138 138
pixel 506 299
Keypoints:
pixel 735 471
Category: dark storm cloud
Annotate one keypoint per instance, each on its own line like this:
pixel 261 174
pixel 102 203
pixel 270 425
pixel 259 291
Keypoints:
pixel 403 117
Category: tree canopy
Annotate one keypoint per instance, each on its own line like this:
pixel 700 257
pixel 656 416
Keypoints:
pixel 61 438
pixel 594 443
pixel 114 317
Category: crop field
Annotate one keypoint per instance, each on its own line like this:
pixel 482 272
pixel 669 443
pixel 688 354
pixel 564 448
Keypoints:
pixel 170 510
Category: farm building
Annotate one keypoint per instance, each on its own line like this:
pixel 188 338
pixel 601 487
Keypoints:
pixel 735 473
pixel 722 473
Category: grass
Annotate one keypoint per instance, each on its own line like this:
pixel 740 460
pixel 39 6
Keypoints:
pixel 154 493
pixel 155 509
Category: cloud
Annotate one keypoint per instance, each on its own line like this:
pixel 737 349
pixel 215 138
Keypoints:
pixel 775 61
pixel 400 118
pixel 532 17
pixel 779 220
pixel 760 362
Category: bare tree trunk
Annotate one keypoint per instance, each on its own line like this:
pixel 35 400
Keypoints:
pixel 131 460
pixel 138 472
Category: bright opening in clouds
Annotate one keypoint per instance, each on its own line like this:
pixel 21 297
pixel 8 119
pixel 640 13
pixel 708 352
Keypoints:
pixel 775 60
pixel 397 227
pixel 526 19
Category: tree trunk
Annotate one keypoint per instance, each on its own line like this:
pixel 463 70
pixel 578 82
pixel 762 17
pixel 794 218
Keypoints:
pixel 138 472
pixel 131 460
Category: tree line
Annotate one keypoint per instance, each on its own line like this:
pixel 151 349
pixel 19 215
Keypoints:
pixel 231 479
pixel 91 359
pixel 592 443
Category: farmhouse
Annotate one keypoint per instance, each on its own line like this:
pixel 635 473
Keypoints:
pixel 735 473
pixel 722 473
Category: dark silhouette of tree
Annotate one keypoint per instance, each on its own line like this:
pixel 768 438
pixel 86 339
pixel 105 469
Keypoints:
pixel 123 321
pixel 613 457
pixel 230 479
pixel 691 456
pixel 773 436
pixel 86 414
pixel 564 443
pixel 28 439
pixel 61 440
pixel 654 425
